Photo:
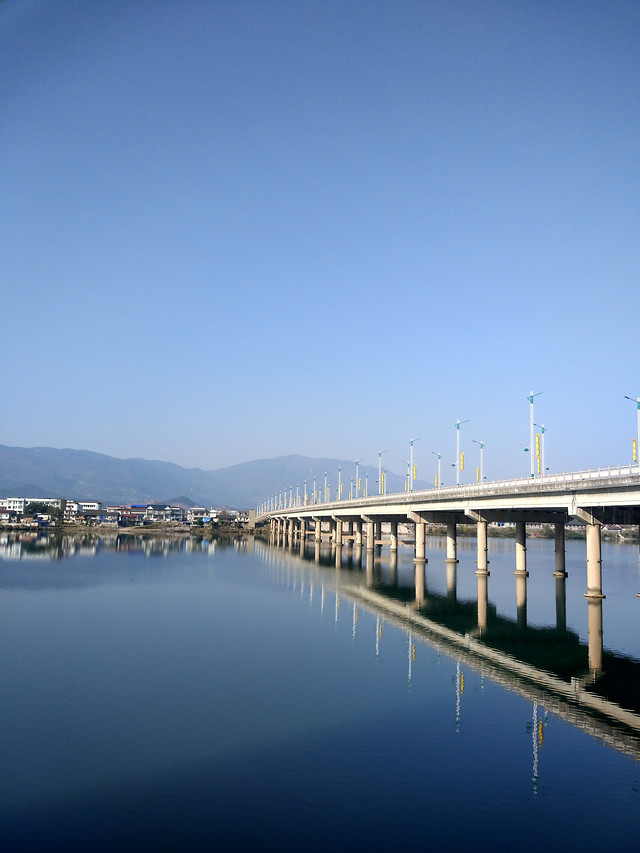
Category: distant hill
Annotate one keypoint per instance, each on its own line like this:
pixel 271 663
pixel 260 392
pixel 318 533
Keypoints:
pixel 41 472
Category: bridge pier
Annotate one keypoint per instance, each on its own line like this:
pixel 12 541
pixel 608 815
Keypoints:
pixel 370 536
pixel 594 560
pixel 521 549
pixel 559 550
pixel 420 532
pixel 393 537
pixel 378 532
pixel 452 544
pixel 358 527
pixel 483 560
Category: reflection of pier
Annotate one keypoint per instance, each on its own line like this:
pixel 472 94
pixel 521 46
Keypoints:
pixel 580 682
pixel 573 698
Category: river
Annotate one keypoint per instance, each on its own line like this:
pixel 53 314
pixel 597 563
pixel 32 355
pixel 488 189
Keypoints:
pixel 179 695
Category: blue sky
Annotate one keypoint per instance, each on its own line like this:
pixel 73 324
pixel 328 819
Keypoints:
pixel 239 230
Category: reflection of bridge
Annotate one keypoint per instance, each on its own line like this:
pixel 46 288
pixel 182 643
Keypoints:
pixel 584 684
pixel 594 498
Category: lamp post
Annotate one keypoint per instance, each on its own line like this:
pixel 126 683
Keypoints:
pixel 325 487
pixel 366 485
pixel 315 494
pixel 542 429
pixel 439 455
pixel 481 443
pixel 530 399
pixel 636 449
pixel 339 482
pixel 412 472
pixel 357 480
pixel 380 452
pixel 408 480
pixel 458 425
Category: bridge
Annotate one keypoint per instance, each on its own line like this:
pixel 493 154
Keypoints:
pixel 593 498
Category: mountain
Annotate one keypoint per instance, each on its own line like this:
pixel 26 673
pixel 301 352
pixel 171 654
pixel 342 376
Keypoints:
pixel 40 472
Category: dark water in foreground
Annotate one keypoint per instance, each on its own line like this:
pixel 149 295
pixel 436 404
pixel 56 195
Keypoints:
pixel 243 698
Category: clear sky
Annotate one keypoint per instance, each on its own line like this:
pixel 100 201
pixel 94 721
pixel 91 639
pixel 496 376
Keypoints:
pixel 239 230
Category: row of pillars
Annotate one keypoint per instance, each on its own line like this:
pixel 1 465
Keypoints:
pixel 292 527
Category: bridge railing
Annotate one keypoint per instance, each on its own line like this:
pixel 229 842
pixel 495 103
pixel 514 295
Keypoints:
pixel 538 483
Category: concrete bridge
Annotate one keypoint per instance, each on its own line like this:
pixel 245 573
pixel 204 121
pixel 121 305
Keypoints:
pixel 593 498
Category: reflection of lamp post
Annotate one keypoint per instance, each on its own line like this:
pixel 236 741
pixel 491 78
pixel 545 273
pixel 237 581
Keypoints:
pixel 530 399
pixel 636 448
pixel 380 452
pixel 458 424
pixel 481 443
pixel 439 455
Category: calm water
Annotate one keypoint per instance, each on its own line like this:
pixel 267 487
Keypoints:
pixel 162 697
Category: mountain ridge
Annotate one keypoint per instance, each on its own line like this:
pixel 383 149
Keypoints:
pixel 41 472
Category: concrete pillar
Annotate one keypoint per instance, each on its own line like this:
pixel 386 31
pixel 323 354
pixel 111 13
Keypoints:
pixel 560 552
pixel 378 531
pixel 521 548
pixel 358 533
pixel 483 597
pixel 482 561
pixel 595 634
pixel 561 603
pixel 594 561
pixel 393 537
pixel 420 545
pixel 339 524
pixel 332 528
pixel 318 529
pixel 370 536
pixel 521 599
pixel 302 528
pixel 452 544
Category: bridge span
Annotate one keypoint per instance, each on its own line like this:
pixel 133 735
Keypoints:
pixel 593 498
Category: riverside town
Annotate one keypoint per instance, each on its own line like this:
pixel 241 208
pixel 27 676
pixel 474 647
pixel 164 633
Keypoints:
pixel 47 512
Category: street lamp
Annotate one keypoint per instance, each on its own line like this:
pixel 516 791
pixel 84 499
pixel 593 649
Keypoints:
pixel 412 469
pixel 339 482
pixel 325 488
pixel 458 466
pixel 439 455
pixel 357 480
pixel 540 449
pixel 636 449
pixel 530 399
pixel 481 443
pixel 380 452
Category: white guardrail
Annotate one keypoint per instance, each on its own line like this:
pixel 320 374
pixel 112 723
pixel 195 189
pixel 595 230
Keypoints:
pixel 538 483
